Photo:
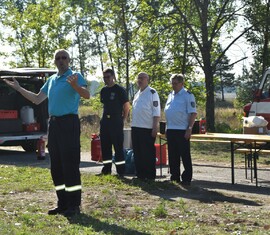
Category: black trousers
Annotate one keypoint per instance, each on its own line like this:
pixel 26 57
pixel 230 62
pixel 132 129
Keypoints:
pixel 144 152
pixel 179 147
pixel 64 150
pixel 111 134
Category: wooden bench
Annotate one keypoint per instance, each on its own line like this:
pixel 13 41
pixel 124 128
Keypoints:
pixel 212 141
pixel 259 151
pixel 249 156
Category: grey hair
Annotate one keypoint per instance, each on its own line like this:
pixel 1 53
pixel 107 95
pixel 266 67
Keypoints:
pixel 61 50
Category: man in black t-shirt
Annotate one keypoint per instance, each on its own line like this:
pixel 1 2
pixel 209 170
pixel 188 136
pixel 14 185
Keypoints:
pixel 115 111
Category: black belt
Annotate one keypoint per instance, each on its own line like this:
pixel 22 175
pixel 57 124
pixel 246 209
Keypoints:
pixel 63 117
pixel 109 116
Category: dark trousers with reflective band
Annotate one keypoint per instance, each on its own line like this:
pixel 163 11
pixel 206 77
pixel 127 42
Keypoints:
pixel 144 152
pixel 111 134
pixel 179 147
pixel 64 150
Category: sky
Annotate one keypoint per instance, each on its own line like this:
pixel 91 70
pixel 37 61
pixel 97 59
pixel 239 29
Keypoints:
pixel 240 48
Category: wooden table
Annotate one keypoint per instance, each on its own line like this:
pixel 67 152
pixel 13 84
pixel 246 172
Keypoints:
pixel 255 143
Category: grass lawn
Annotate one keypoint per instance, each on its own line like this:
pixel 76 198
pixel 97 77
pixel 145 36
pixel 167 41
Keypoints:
pixel 112 205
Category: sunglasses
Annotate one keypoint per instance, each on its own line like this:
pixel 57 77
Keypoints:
pixel 61 57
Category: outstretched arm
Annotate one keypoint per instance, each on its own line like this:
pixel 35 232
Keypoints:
pixel 33 97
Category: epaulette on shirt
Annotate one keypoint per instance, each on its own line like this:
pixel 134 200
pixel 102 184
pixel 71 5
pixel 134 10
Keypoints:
pixel 153 91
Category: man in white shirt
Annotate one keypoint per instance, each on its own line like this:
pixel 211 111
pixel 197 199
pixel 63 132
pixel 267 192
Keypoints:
pixel 145 119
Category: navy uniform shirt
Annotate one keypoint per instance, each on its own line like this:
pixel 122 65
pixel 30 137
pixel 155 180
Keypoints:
pixel 113 99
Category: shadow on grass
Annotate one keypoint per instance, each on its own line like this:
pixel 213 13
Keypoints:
pixel 234 187
pixel 21 158
pixel 102 227
pixel 173 191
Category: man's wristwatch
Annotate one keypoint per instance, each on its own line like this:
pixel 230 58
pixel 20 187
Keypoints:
pixel 190 127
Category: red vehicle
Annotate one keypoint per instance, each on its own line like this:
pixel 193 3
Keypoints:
pixel 23 123
pixel 261 103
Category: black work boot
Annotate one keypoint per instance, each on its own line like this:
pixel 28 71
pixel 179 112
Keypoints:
pixel 57 210
pixel 72 211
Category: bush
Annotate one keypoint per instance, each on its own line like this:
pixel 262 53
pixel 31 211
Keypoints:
pixel 223 128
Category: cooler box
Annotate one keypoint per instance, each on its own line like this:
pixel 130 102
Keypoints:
pixel 163 154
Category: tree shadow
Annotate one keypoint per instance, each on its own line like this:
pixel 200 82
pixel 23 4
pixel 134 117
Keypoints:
pixel 22 158
pixel 102 227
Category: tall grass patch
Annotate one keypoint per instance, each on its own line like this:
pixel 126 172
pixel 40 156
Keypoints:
pixel 228 120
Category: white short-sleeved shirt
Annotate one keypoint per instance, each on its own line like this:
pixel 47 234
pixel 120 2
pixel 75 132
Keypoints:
pixel 178 109
pixel 145 106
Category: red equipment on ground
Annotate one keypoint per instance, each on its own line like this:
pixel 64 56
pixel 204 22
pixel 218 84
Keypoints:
pixel 161 154
pixel 96 148
pixel 41 149
pixel 202 126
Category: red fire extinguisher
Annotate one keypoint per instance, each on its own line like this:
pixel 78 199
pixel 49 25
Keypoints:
pixel 202 125
pixel 96 148
pixel 41 149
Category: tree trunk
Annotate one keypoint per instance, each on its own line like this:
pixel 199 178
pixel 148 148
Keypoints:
pixel 126 33
pixel 210 101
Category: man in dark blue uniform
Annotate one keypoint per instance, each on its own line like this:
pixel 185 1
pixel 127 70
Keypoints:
pixel 63 91
pixel 115 111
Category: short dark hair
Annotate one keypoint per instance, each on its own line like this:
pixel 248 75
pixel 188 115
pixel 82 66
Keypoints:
pixel 179 77
pixel 109 70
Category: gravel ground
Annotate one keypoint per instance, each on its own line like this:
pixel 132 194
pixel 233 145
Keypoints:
pixel 204 173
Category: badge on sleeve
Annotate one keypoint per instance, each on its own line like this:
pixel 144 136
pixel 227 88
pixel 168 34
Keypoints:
pixel 155 103
pixel 192 104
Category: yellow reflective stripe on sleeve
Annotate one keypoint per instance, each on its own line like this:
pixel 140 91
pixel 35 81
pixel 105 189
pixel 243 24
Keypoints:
pixel 120 163
pixel 60 187
pixel 107 161
pixel 73 188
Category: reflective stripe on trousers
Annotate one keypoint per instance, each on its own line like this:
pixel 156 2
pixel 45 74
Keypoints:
pixel 107 162
pixel 120 163
pixel 68 189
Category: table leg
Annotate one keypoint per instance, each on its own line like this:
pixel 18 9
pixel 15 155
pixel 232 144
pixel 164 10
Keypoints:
pixel 232 161
pixel 255 155
pixel 160 155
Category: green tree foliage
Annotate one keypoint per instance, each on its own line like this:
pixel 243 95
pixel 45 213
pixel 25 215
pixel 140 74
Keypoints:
pixel 258 14
pixel 248 83
pixel 205 23
pixel 223 77
pixel 38 29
